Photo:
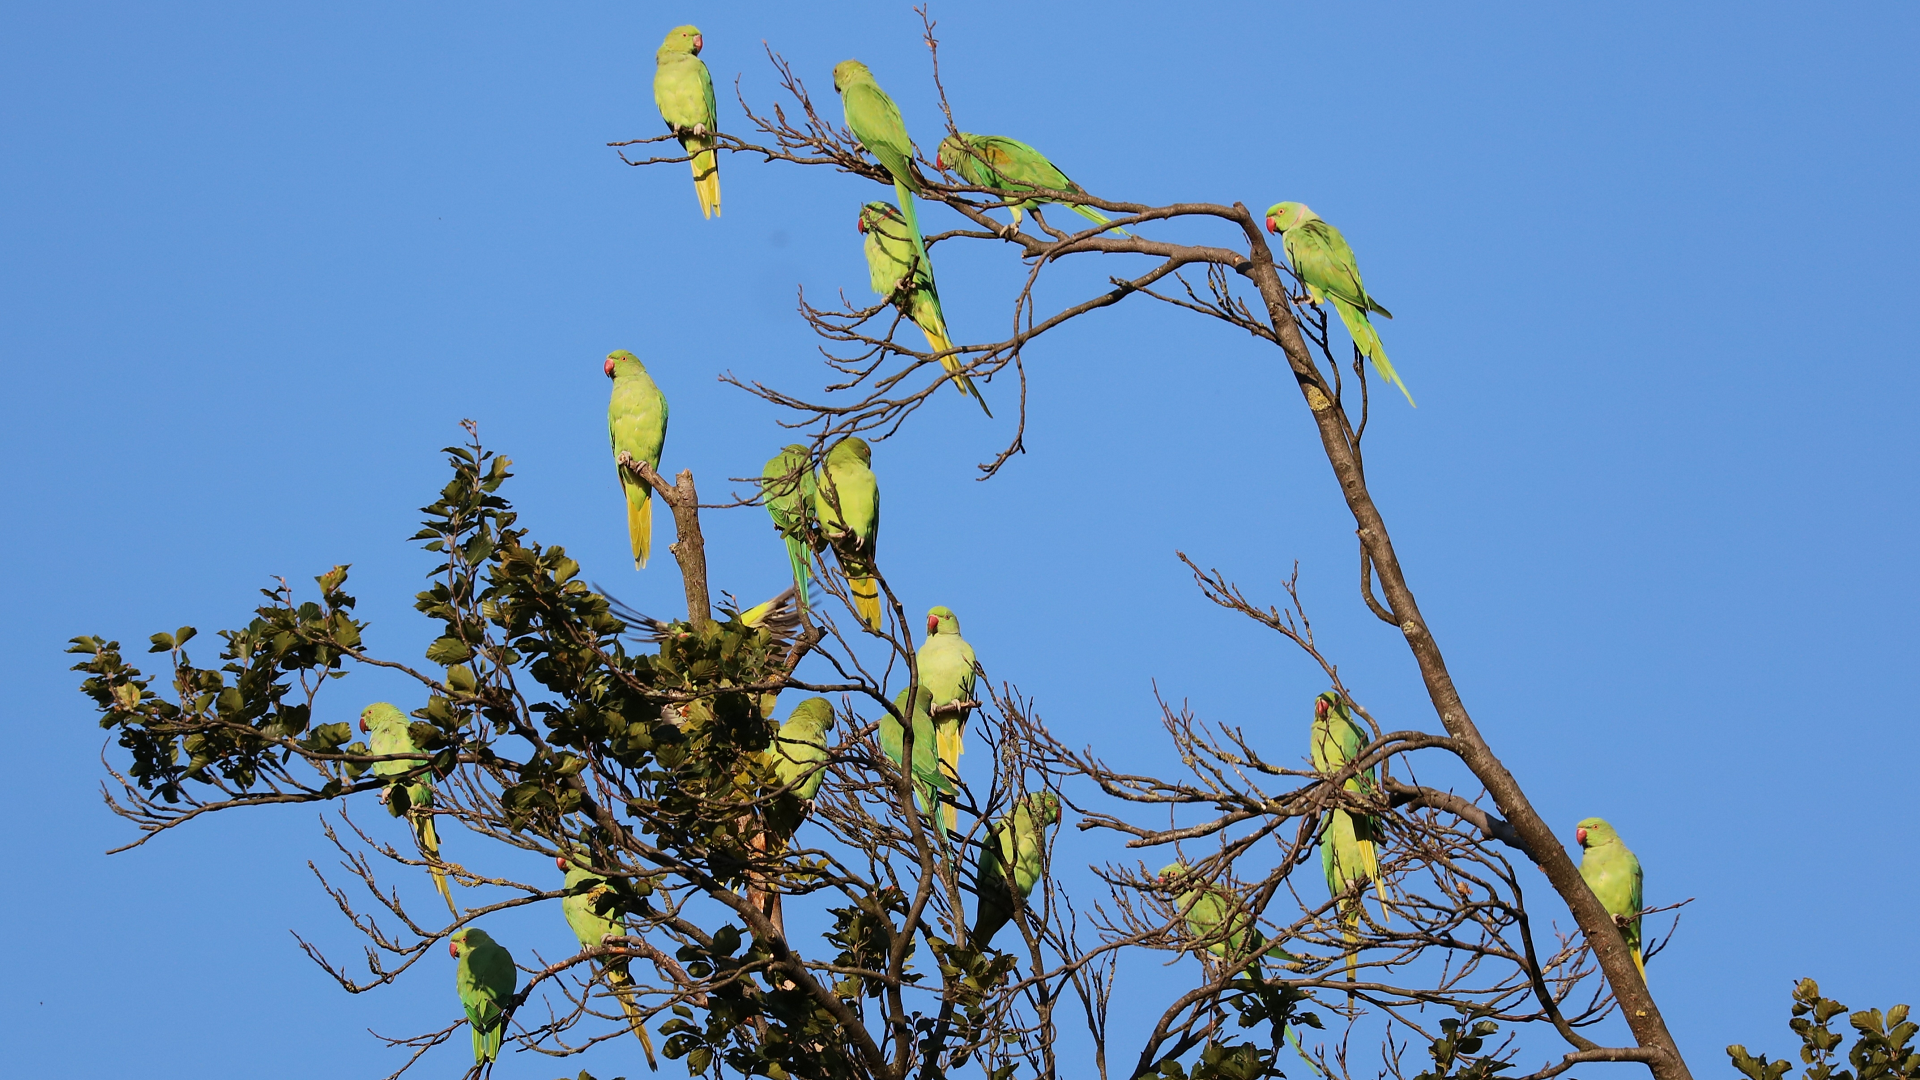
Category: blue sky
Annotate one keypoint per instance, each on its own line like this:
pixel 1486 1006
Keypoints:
pixel 1648 262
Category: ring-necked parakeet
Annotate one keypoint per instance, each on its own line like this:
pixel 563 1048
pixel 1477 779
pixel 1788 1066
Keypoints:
pixel 1010 862
pixel 1613 873
pixel 847 505
pixel 1206 908
pixel 637 426
pixel 929 780
pixel 905 278
pixel 875 120
pixel 945 662
pixel 683 89
pixel 799 751
pixel 485 978
pixel 787 487
pixel 388 727
pixel 1009 165
pixel 584 889
pixel 1323 260
pixel 1347 840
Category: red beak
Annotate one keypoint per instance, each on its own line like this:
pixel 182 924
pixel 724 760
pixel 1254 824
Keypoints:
pixel 861 224
pixel 699 42
pixel 363 724
pixel 933 625
pixel 560 861
pixel 1580 835
pixel 453 948
pixel 1320 708
pixel 1270 226
pixel 939 163
pixel 608 367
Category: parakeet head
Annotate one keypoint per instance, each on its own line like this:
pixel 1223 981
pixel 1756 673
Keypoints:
pixel 1327 702
pixel 848 72
pixel 1286 215
pixel 953 150
pixel 1171 873
pixel 817 711
pixel 941 620
pixel 381 714
pixel 1595 832
pixel 854 447
pixel 1044 806
pixel 463 940
pixel 685 39
pixel 621 362
pixel 874 214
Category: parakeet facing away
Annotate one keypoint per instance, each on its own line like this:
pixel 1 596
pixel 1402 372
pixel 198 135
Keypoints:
pixel 1613 873
pixel 787 487
pixel 902 274
pixel 1207 909
pixel 1010 862
pixel 945 662
pixel 1348 853
pixel 683 89
pixel 875 120
pixel 847 505
pixel 1009 165
pixel 799 751
pixel 1323 260
pixel 637 426
pixel 486 979
pixel 413 799
pixel 929 781
pixel 584 889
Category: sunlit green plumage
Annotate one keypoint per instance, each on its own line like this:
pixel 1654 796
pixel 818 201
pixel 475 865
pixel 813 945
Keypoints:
pixel 898 270
pixel 929 780
pixel 388 732
pixel 946 665
pixel 584 890
pixel 1325 264
pixel 1612 871
pixel 788 488
pixel 1349 854
pixel 799 752
pixel 1010 863
pixel 485 979
pixel 637 426
pixel 683 89
pixel 875 120
pixel 847 505
pixel 1011 166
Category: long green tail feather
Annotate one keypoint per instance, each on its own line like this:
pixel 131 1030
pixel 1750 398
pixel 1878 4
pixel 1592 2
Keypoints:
pixel 1368 341
pixel 802 569
pixel 1099 218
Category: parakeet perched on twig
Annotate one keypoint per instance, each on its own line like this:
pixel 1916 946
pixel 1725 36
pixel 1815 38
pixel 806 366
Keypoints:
pixel 929 780
pixel 847 505
pixel 799 752
pixel 387 728
pixel 1348 841
pixel 1010 862
pixel 683 89
pixel 637 427
pixel 900 272
pixel 1011 166
pixel 584 889
pixel 1325 263
pixel 1613 873
pixel 485 979
pixel 875 120
pixel 787 487
pixel 946 665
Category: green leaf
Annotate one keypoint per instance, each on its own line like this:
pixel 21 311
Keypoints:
pixel 448 651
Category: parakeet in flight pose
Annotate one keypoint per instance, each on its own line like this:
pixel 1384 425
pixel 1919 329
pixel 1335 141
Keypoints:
pixel 1613 873
pixel 1323 260
pixel 683 89
pixel 787 487
pixel 945 662
pixel 847 505
pixel 1009 165
pixel 799 751
pixel 584 889
pixel 412 799
pixel 1348 853
pixel 929 780
pixel 486 979
pixel 901 273
pixel 637 426
pixel 1010 861
pixel 875 120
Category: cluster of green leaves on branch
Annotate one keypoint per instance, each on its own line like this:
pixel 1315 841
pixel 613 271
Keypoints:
pixel 1882 1048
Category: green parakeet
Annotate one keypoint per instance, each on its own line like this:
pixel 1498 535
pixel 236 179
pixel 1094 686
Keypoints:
pixel 1010 862
pixel 412 799
pixel 1211 913
pixel 1613 873
pixel 787 487
pixel 847 505
pixel 904 276
pixel 1347 840
pixel 799 751
pixel 486 979
pixel 875 120
pixel 1009 165
pixel 584 889
pixel 637 426
pixel 1323 260
pixel 929 781
pixel 945 662
pixel 683 89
